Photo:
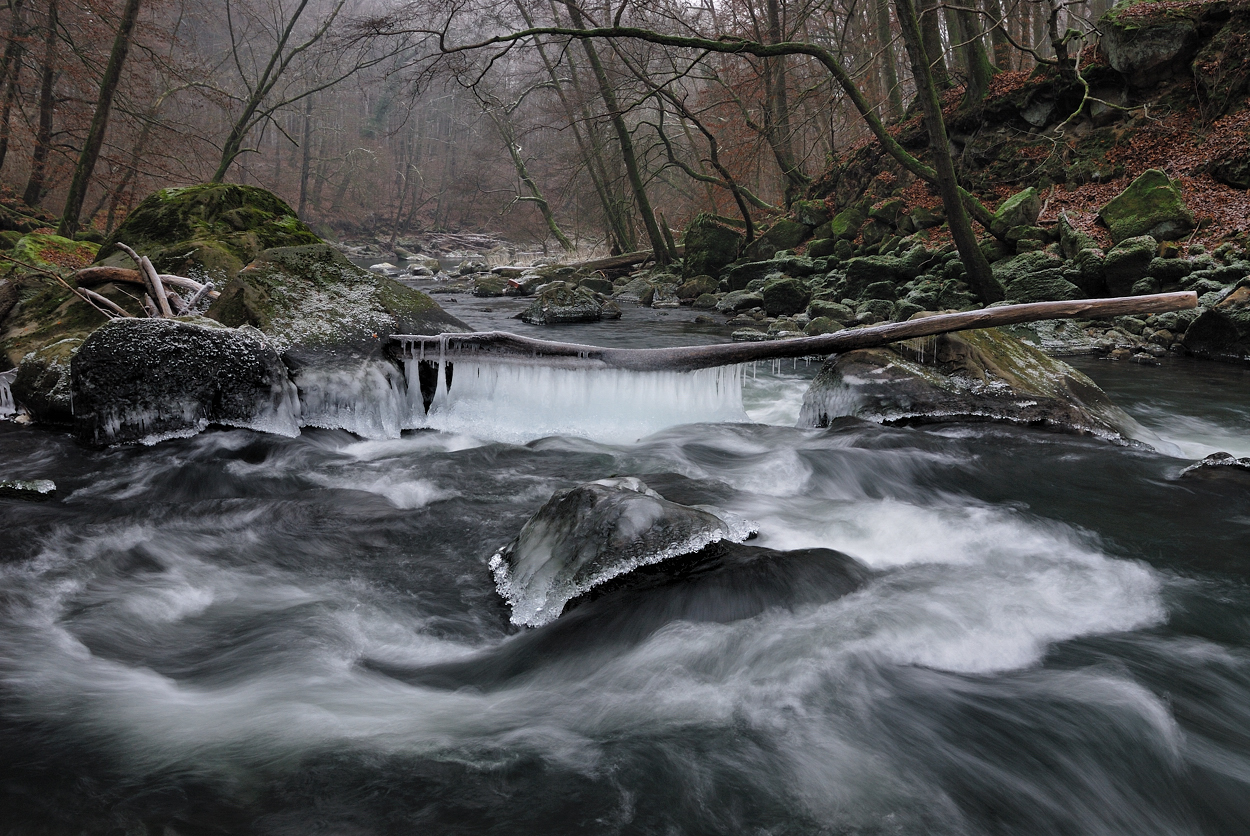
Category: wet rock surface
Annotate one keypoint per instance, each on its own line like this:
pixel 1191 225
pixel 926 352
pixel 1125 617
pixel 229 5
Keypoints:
pixel 1220 466
pixel 590 534
pixel 31 490
pixel 982 375
pixel 147 379
pixel 561 303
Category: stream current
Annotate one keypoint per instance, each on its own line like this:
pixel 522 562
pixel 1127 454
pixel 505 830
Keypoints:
pixel 246 633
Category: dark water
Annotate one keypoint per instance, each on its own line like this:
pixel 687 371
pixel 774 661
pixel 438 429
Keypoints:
pixel 238 633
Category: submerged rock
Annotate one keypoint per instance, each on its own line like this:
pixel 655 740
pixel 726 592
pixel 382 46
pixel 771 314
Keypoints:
pixel 1219 465
pixel 148 379
pixel 593 533
pixel 981 375
pixel 37 490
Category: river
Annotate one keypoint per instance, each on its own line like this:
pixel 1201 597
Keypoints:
pixel 242 633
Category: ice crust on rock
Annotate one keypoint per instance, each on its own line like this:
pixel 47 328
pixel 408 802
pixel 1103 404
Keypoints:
pixel 593 533
pixel 7 406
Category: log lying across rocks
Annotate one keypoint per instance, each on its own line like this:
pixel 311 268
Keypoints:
pixel 617 262
pixel 500 346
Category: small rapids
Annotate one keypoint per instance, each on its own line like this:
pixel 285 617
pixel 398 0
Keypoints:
pixel 954 630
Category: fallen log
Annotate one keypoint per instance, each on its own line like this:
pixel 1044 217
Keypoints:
pixel 125 275
pixel 505 347
pixel 616 262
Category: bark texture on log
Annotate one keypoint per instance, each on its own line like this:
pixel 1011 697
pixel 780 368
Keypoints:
pixel 505 347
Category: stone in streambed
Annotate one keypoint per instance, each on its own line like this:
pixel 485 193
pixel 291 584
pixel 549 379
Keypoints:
pixel 1220 465
pixel 710 246
pixel 561 303
pixel 1222 332
pixel 148 379
pixel 36 490
pixel 979 375
pixel 42 384
pixel 593 533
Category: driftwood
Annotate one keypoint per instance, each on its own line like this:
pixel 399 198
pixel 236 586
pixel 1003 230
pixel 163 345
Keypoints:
pixel 505 347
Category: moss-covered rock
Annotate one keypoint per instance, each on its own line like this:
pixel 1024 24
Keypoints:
pixel 1021 209
pixel 784 297
pixel 811 212
pixel 1127 262
pixel 784 234
pixel 822 248
pixel 846 224
pixel 211 230
pixel 1222 332
pixel 53 251
pixel 980 375
pixel 739 300
pixel 696 287
pixel 311 298
pixel 710 245
pixel 740 275
pixel 1151 205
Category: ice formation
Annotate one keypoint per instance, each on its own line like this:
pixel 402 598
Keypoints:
pixel 7 407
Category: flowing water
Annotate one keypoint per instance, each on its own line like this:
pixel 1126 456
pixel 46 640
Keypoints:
pixel 248 633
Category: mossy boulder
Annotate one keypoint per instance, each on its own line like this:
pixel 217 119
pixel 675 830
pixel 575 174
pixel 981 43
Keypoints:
pixel 811 212
pixel 846 224
pixel 870 269
pixel 822 248
pixel 696 287
pixel 211 231
pixel 710 245
pixel 784 234
pixel 784 297
pixel 53 251
pixel 1126 264
pixel 46 312
pixel 1021 209
pixel 740 275
pixel 979 375
pixel 1151 205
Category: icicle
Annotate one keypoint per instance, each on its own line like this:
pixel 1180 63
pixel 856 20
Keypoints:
pixel 7 406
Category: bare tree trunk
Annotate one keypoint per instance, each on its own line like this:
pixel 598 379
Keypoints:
pixel 931 35
pixel 629 158
pixel 501 119
pixel 998 35
pixel 978 276
pixel 980 71
pixel 43 137
pixel 10 72
pixel 885 40
pixel 99 121
pixel 777 128
pixel 305 157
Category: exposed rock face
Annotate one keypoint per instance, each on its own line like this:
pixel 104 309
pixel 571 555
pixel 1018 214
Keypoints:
pixel 981 375
pixel 593 533
pixel 42 384
pixel 1151 205
pixel 1147 50
pixel 560 303
pixel 710 245
pixel 1222 332
pixel 207 231
pixel 147 379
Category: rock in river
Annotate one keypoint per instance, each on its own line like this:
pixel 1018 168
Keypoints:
pixel 981 375
pixel 146 379
pixel 595 532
